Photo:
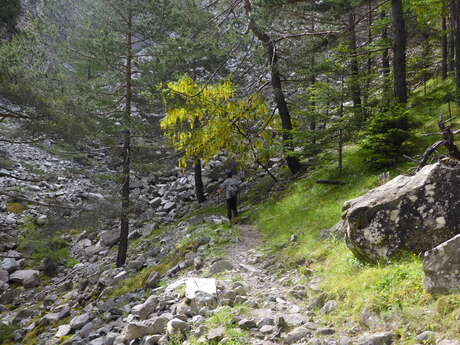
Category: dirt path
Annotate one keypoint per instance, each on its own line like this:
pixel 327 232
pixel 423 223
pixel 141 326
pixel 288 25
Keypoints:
pixel 269 295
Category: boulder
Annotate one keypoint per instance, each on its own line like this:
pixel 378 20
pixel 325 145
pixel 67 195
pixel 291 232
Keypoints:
pixel 194 285
pixel 109 237
pixel 4 277
pixel 297 335
pixel 138 329
pixel 27 278
pixel 63 330
pixel 153 280
pixel 383 338
pixel 220 266
pixel 79 321
pixel 216 334
pixel 442 267
pixel 176 326
pixel 409 213
pixel 145 309
pixel 10 265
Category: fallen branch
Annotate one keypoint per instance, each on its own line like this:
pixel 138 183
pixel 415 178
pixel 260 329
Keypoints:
pixel 2 174
pixel 428 152
pixel 333 182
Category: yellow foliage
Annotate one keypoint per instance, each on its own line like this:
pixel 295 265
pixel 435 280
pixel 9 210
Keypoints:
pixel 202 120
pixel 15 207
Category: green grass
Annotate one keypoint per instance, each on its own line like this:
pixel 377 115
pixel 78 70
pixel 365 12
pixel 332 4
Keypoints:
pixel 224 318
pixel 132 283
pixel 393 290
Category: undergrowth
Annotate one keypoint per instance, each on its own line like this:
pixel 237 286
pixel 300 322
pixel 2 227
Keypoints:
pixel 394 291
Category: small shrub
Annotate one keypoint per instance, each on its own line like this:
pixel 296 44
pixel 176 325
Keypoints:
pixel 40 244
pixel 16 207
pixel 6 333
pixel 387 138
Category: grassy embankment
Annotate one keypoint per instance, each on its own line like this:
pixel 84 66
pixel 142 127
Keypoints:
pixel 392 290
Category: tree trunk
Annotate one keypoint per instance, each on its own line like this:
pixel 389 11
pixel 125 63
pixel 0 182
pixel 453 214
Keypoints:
pixel 399 51
pixel 313 81
pixel 385 63
pixel 280 100
pixel 367 112
pixel 444 51
pixel 451 44
pixel 199 188
pixel 457 48
pixel 354 80
pixel 125 200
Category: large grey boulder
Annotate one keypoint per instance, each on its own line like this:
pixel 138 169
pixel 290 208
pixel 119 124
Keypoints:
pixel 442 267
pixel 138 329
pixel 79 321
pixel 383 338
pixel 409 213
pixel 27 278
pixel 109 237
pixel 145 309
pixel 10 265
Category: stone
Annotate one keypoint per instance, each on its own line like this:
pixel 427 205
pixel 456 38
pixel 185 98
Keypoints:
pixel 41 220
pixel 247 324
pixel 4 276
pixel 145 309
pixel 27 278
pixel 220 266
pixel 216 334
pixel 315 341
pixel 109 237
pixel 267 329
pixel 176 326
pixel 86 330
pixel 267 321
pixel 325 331
pixel 296 335
pixel 194 285
pixel 441 266
pixel 10 265
pixel 369 318
pixel 79 321
pixel 427 337
pixel 448 342
pixel 383 338
pixel 345 341
pixel 63 330
pixel 328 307
pixel 48 319
pixel 408 214
pixel 153 280
pixel 138 329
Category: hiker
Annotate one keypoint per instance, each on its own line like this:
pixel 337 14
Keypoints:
pixel 230 186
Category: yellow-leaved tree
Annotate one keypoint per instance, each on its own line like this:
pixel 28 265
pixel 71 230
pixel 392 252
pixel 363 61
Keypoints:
pixel 204 119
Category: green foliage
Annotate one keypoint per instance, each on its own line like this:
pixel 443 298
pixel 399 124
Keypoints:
pixel 41 244
pixel 7 332
pixel 134 282
pixel 9 13
pixel 387 138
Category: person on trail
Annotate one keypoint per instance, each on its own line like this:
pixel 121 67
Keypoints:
pixel 231 187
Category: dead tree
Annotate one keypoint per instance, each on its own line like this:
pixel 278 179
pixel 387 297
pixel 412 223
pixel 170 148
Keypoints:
pixel 448 141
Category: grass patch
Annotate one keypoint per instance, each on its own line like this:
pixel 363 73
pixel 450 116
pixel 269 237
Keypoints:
pixel 16 207
pixel 224 318
pixel 394 290
pixel 134 282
